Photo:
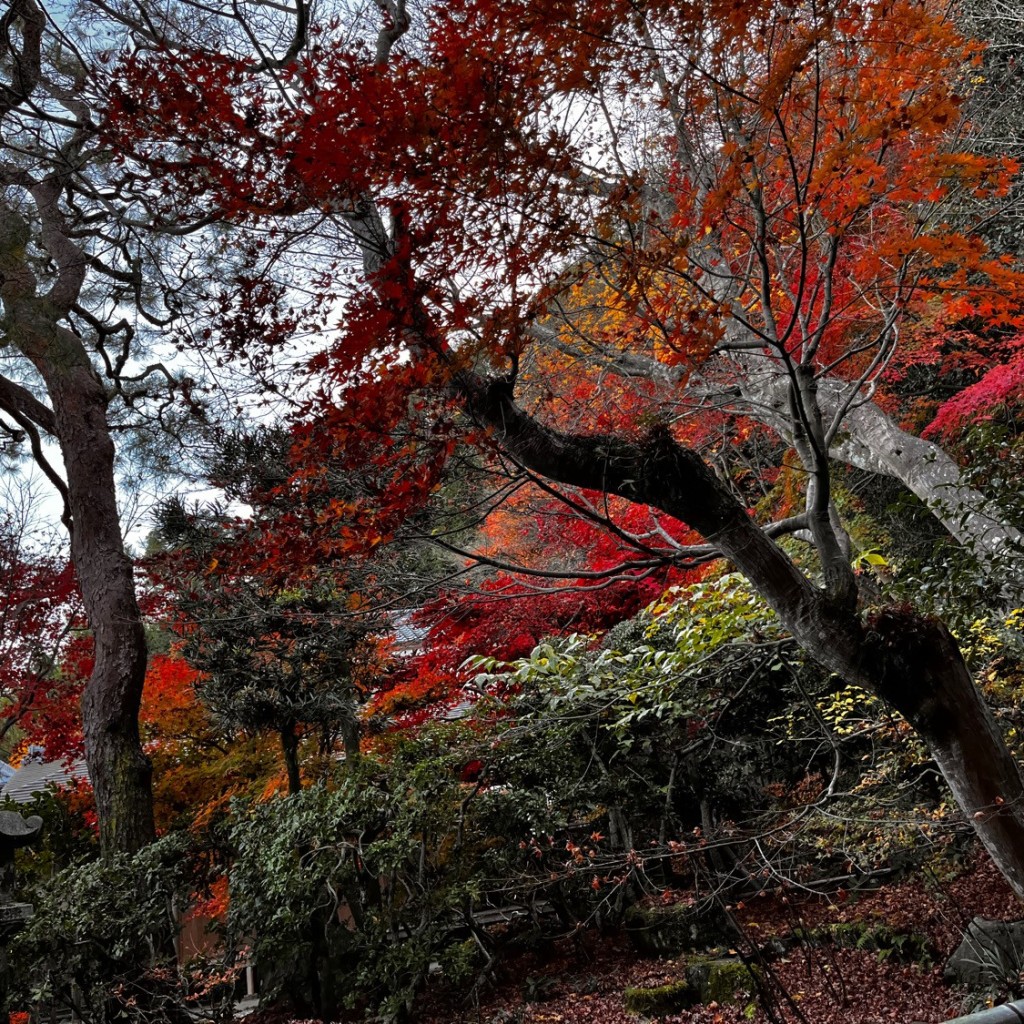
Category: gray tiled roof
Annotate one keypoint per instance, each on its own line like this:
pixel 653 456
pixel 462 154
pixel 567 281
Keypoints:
pixel 36 776
pixel 457 711
pixel 409 636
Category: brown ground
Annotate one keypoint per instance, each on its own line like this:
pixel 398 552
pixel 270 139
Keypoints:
pixel 582 981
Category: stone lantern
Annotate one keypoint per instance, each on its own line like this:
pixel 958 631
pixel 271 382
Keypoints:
pixel 15 832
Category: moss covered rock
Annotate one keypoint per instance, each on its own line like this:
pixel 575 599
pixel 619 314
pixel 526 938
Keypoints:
pixel 678 928
pixel 707 980
pixel 661 1000
pixel 722 980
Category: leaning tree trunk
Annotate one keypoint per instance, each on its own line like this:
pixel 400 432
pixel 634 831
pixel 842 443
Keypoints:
pixel 920 672
pixel 917 668
pixel 911 661
pixel 119 770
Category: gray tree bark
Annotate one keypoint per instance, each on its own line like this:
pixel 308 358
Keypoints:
pixel 909 660
pixel 863 435
pixel 34 324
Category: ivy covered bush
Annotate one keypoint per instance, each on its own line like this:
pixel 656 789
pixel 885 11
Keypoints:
pixel 102 938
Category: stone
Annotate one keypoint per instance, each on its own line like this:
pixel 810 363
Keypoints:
pixel 16 831
pixel 679 928
pixel 990 956
pixel 14 914
pixel 19 830
pixel 661 1000
pixel 722 980
pixel 725 981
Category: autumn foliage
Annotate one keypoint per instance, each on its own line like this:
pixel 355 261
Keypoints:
pixel 39 608
pixel 788 188
pixel 580 300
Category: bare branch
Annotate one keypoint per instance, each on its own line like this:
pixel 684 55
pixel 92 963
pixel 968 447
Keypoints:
pixel 18 401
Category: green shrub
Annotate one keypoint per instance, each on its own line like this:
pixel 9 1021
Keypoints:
pixel 101 940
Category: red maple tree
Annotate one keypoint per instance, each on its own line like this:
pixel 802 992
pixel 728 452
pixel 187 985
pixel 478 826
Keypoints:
pixel 39 611
pixel 741 204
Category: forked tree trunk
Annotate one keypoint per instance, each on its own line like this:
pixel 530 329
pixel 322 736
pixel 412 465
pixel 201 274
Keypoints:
pixel 871 440
pixel 911 661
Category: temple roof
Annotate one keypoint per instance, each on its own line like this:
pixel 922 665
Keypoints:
pixel 35 777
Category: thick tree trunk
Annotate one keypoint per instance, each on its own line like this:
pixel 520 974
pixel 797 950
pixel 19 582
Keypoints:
pixel 118 768
pixel 917 668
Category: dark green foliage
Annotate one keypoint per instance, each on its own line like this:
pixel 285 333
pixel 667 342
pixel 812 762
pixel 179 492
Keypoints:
pixel 349 892
pixel 101 937
pixel 886 942
pixel 66 837
pixel 591 776
pixel 275 658
pixel 653 728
